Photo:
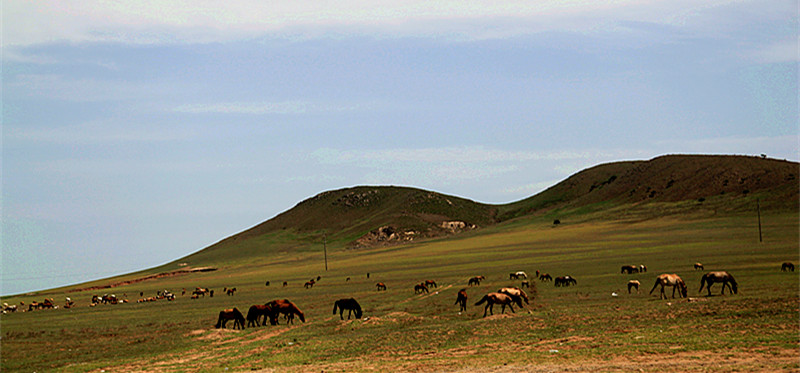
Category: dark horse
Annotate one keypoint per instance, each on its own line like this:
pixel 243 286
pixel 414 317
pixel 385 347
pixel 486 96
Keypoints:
pixel 380 286
pixel 255 312
pixel 545 277
pixel 461 300
pixel 630 269
pixel 420 288
pixel 430 283
pixel 230 314
pixel 349 304
pixel 475 280
pixel 723 277
pixel 284 306
pixel 565 281
pixel 498 298
pixel 786 266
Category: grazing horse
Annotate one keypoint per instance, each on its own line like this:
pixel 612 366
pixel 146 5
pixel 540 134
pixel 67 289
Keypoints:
pixel 698 266
pixel 230 291
pixel 787 266
pixel 565 281
pixel 200 291
pixel 380 286
pixel 633 284
pixel 309 284
pixel 461 300
pixel 670 280
pixel 525 284
pixel 284 306
pixel 429 283
pixel 517 275
pixel 255 312
pixel 498 298
pixel 721 276
pixel 230 314
pixel 475 280
pixel 514 292
pixel 545 277
pixel 349 304
pixel 642 268
pixel 629 269
pixel 420 288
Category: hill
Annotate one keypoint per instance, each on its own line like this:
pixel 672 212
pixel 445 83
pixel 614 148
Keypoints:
pixel 368 216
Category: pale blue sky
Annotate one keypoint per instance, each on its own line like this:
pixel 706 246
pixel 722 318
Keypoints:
pixel 134 134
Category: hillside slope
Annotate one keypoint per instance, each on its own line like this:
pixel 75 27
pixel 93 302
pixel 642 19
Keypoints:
pixel 370 216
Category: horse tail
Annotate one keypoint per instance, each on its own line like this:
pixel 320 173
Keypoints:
pixel 484 299
pixel 703 282
pixel 219 320
pixel 335 304
pixel 654 286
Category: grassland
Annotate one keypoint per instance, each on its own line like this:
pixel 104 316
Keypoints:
pixel 573 328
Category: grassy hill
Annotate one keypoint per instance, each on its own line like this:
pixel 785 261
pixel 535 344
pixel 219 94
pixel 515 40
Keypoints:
pixel 372 216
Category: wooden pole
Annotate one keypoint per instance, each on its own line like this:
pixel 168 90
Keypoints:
pixel 758 208
pixel 325 248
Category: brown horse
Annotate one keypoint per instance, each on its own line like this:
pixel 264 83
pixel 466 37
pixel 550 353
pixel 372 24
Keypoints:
pixel 633 284
pixel 787 266
pixel 309 284
pixel 420 288
pixel 475 280
pixel 230 291
pixel 630 269
pixel 380 286
pixel 498 298
pixel 514 292
pixel 722 277
pixel 698 266
pixel 544 277
pixel 230 314
pixel 284 306
pixel 349 304
pixel 200 291
pixel 565 281
pixel 430 283
pixel 670 280
pixel 256 312
pixel 461 300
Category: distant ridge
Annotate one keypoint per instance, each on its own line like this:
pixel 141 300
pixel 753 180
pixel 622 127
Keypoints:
pixel 367 216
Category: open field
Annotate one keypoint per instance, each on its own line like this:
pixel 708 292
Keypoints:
pixel 572 328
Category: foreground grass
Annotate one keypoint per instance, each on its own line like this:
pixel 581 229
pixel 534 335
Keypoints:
pixel 580 328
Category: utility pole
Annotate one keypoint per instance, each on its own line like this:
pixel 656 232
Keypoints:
pixel 758 208
pixel 325 248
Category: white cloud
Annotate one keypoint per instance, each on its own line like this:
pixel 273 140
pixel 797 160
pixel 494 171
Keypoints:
pixel 157 22
pixel 779 52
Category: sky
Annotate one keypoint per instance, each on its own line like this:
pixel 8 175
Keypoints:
pixel 135 133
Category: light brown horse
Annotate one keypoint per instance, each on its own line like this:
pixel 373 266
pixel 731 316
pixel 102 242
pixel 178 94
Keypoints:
pixel 514 292
pixel 633 284
pixel 230 314
pixel 284 306
pixel 722 277
pixel 498 298
pixel 670 280
pixel 461 300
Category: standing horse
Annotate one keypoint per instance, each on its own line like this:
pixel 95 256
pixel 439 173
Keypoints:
pixel 255 312
pixel 420 288
pixel 230 291
pixel 498 298
pixel 721 276
pixel 461 300
pixel 380 286
pixel 787 266
pixel 284 306
pixel 670 280
pixel 514 292
pixel 517 275
pixel 230 314
pixel 475 280
pixel 629 269
pixel 642 268
pixel 349 304
pixel 544 277
pixel 429 283
pixel 633 284
pixel 309 284
pixel 565 281
pixel 698 266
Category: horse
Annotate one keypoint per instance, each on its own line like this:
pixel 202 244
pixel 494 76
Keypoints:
pixel 475 280
pixel 309 284
pixel 285 283
pixel 517 275
pixel 787 266
pixel 525 284
pixel 514 292
pixel 565 281
pixel 380 286
pixel 698 266
pixel 670 280
pixel 230 314
pixel 429 283
pixel 545 277
pixel 284 306
pixel 200 291
pixel 349 304
pixel 721 276
pixel 498 298
pixel 230 291
pixel 420 288
pixel 633 284
pixel 461 300
pixel 629 269
pixel 255 312
pixel 642 268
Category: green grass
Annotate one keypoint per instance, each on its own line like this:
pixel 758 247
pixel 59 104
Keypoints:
pixel 756 329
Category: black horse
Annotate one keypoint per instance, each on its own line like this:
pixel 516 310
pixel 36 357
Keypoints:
pixel 349 304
